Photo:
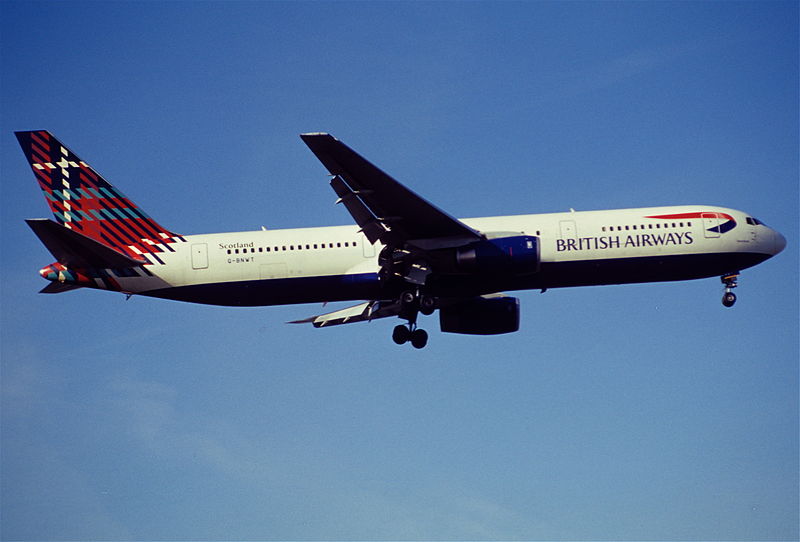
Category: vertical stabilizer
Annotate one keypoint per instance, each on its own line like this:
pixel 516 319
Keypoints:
pixel 83 201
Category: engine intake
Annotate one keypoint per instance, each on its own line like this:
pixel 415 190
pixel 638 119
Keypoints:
pixel 481 316
pixel 518 254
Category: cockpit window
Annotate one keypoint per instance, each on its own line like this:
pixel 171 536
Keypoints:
pixel 754 221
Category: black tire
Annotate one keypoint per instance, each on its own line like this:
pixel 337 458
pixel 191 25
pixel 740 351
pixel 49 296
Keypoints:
pixel 401 334
pixel 728 299
pixel 408 298
pixel 419 338
pixel 427 305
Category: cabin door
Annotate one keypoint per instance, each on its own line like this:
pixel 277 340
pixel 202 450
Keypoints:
pixel 710 225
pixel 199 256
pixel 567 229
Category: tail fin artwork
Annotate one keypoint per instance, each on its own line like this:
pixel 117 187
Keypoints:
pixel 85 203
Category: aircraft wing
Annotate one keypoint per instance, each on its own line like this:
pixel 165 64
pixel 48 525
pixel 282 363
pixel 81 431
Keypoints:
pixel 385 210
pixel 370 310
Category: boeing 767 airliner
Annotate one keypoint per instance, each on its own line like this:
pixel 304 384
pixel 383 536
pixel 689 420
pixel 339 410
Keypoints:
pixel 403 257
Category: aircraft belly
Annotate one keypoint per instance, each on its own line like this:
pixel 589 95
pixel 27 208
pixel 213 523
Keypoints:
pixel 601 272
pixel 659 268
pixel 279 291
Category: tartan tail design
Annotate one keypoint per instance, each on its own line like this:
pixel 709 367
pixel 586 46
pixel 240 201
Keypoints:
pixel 83 201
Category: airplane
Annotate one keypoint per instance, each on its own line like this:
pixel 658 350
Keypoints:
pixel 403 256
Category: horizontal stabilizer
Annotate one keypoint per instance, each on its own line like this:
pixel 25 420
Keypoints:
pixel 58 287
pixel 74 249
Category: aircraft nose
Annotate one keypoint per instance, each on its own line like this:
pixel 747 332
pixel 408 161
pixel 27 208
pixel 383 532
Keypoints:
pixel 780 242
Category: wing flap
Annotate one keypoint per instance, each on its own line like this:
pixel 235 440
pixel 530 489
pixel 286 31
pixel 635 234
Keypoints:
pixel 372 227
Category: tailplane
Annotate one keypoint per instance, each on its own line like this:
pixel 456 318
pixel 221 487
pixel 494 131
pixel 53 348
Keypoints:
pixel 74 249
pixel 84 202
pixel 80 260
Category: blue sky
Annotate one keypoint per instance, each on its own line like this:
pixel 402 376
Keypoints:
pixel 625 412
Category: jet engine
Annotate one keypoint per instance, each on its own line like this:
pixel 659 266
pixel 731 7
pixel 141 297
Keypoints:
pixel 481 316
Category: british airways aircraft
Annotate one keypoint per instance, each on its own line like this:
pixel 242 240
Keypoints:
pixel 404 256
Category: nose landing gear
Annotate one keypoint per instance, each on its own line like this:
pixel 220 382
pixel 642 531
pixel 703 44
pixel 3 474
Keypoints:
pixel 729 298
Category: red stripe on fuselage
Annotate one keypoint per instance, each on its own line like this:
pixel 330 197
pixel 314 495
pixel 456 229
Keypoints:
pixel 703 214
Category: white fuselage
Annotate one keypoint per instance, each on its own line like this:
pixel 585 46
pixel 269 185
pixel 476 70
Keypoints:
pixel 271 267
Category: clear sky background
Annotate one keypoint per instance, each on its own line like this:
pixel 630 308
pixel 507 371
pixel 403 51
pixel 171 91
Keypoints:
pixel 620 412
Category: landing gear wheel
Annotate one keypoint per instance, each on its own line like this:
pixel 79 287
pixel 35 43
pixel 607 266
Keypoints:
pixel 401 334
pixel 419 338
pixel 427 305
pixel 728 299
pixel 408 298
pixel 729 280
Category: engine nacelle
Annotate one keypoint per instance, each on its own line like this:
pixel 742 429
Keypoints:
pixel 518 254
pixel 481 316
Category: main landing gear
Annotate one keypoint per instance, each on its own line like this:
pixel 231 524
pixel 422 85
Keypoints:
pixel 412 303
pixel 729 298
pixel 409 333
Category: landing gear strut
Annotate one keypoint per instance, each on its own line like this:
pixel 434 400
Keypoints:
pixel 729 298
